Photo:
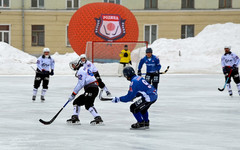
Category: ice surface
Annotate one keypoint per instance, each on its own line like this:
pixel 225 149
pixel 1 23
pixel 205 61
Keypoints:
pixel 190 114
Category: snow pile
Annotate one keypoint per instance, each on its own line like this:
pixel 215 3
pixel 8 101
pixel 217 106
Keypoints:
pixel 200 54
pixel 14 61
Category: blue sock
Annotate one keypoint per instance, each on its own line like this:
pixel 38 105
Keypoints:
pixel 145 117
pixel 138 117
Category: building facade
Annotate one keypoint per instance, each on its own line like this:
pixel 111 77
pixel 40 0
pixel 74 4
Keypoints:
pixel 31 25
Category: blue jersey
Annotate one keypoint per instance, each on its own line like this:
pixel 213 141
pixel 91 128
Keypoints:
pixel 153 64
pixel 140 87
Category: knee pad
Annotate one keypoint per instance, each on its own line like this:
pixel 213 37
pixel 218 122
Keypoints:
pixel 148 78
pixel 38 78
pixel 156 79
pixel 46 78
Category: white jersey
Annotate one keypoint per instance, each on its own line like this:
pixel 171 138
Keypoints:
pixel 45 63
pixel 90 65
pixel 85 77
pixel 230 59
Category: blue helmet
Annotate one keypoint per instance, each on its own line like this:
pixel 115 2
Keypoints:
pixel 149 50
pixel 128 73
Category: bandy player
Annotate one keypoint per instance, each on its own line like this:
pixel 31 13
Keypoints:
pixel 87 81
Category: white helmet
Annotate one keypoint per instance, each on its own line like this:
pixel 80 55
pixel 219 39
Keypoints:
pixel 229 47
pixel 46 50
pixel 82 56
pixel 75 64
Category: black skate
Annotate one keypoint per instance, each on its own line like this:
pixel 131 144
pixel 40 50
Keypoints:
pixel 74 120
pixel 33 98
pixel 138 126
pixel 97 121
pixel 108 94
pixel 147 124
pixel 42 98
pixel 230 92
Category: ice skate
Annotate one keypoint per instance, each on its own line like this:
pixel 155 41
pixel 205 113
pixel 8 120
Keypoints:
pixel 97 121
pixel 108 94
pixel 33 98
pixel 74 120
pixel 230 93
pixel 147 123
pixel 239 92
pixel 42 98
pixel 138 126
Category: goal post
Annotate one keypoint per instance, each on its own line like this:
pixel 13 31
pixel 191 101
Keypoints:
pixel 108 52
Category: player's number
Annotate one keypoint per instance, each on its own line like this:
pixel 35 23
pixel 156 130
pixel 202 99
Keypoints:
pixel 146 83
pixel 90 72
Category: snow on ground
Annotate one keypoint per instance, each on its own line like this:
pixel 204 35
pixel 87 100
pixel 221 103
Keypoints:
pixel 200 54
pixel 188 115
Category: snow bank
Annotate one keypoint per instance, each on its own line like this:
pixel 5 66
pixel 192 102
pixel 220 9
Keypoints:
pixel 13 61
pixel 200 54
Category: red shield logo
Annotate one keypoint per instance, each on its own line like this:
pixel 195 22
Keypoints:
pixel 110 27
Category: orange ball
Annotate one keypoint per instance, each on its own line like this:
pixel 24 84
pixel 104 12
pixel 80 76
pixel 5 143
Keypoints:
pixel 101 22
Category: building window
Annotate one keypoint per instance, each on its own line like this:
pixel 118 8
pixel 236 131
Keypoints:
pixel 5 33
pixel 187 31
pixel 112 1
pixel 37 3
pixel 73 4
pixel 225 3
pixel 187 4
pixel 151 4
pixel 4 3
pixel 38 35
pixel 150 33
pixel 67 40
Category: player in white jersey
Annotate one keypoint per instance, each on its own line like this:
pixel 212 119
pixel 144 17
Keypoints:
pixel 86 63
pixel 45 67
pixel 230 63
pixel 87 81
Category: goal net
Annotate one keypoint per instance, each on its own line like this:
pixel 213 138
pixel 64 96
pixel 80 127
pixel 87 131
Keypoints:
pixel 105 54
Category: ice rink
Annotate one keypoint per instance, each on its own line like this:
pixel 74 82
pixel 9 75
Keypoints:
pixel 190 114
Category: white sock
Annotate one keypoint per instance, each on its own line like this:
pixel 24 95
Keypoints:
pixel 76 110
pixel 238 86
pixel 93 111
pixel 229 87
pixel 35 92
pixel 44 92
pixel 105 89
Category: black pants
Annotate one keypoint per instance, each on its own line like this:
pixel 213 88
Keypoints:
pixel 153 78
pixel 99 80
pixel 88 97
pixel 140 106
pixel 39 78
pixel 234 75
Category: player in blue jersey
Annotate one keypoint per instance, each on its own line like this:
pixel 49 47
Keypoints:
pixel 139 87
pixel 153 68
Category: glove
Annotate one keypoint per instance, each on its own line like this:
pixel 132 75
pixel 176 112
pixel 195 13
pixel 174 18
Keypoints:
pixel 139 72
pixel 52 72
pixel 130 62
pixel 157 73
pixel 125 55
pixel 115 100
pixel 72 96
pixel 235 67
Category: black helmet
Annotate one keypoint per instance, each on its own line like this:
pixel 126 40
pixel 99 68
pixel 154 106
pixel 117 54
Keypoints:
pixel 149 50
pixel 128 73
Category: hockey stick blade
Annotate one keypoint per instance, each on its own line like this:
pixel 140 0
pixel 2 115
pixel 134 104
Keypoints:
pixel 51 121
pixel 104 98
pixel 221 89
pixel 165 70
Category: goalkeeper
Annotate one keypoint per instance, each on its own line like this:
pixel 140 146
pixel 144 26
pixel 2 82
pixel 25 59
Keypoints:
pixel 125 60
